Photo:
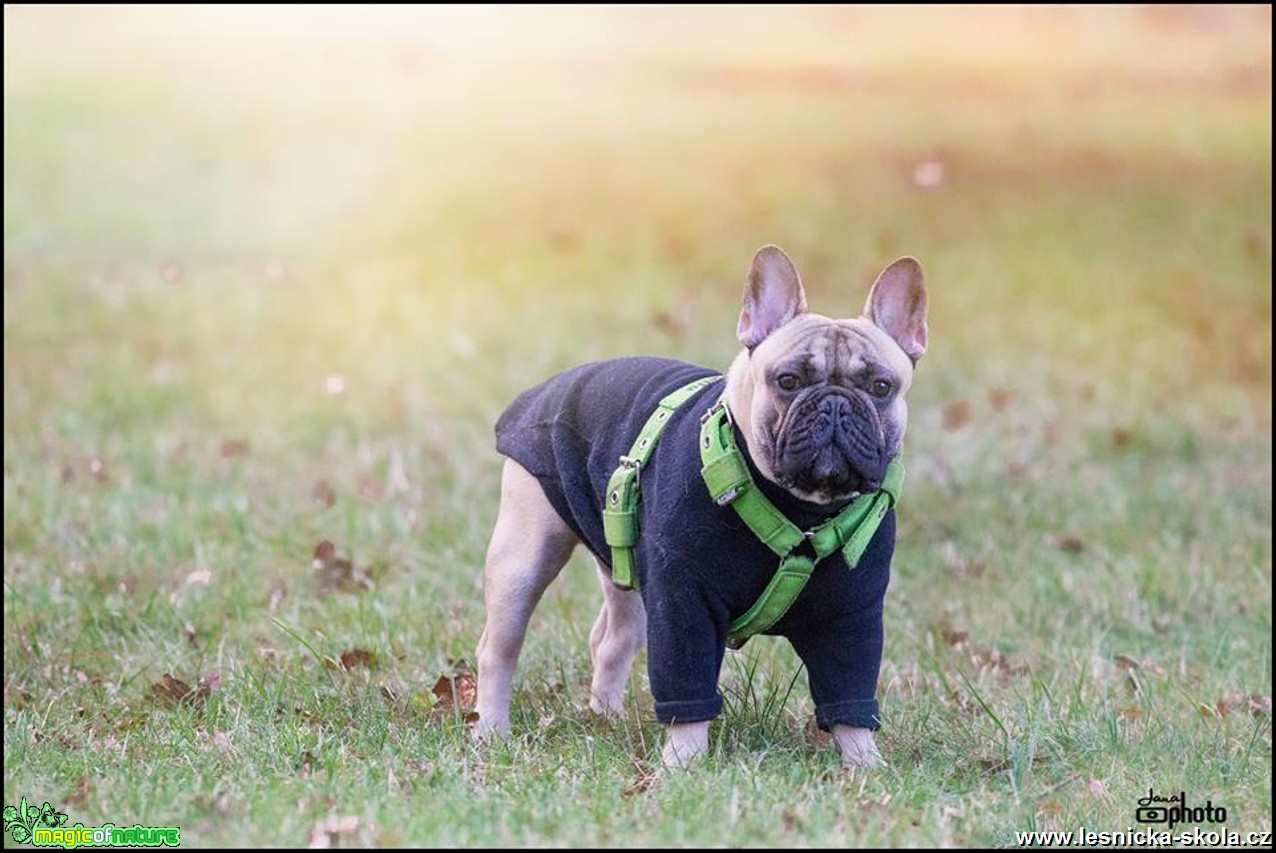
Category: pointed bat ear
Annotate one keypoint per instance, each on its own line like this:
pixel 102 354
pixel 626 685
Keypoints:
pixel 897 305
pixel 773 296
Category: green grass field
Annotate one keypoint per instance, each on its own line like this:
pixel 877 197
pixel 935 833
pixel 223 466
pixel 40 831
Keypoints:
pixel 271 276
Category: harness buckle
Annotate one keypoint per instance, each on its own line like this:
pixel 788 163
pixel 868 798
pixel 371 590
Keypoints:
pixel 634 464
pixel 720 405
pixel 728 496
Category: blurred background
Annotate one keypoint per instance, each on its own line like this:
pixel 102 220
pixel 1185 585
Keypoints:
pixel 241 202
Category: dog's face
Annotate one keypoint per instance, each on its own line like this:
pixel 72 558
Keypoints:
pixel 821 401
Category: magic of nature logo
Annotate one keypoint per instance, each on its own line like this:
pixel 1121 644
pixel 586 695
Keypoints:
pixel 46 827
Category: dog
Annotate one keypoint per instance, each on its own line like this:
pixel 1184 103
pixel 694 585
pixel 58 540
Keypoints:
pixel 817 408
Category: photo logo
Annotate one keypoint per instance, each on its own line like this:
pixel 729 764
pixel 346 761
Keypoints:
pixel 1173 809
pixel 21 821
pixel 45 827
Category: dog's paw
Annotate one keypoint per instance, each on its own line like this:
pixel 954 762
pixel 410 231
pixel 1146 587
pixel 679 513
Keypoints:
pixel 858 749
pixel 687 743
pixel 609 707
pixel 862 760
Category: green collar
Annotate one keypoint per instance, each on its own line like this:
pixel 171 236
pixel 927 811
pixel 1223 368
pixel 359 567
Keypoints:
pixel 726 474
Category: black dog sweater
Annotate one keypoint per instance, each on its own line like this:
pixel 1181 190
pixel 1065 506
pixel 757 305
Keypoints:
pixel 697 565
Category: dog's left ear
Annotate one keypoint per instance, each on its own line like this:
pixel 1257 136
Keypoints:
pixel 773 296
pixel 897 305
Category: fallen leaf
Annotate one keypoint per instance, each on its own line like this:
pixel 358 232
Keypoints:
pixel 208 685
pixel 355 657
pixel 1259 706
pixel 173 691
pixel 1001 398
pixel 1121 438
pixel 337 574
pixel 325 551
pixel 459 691
pixel 1071 544
pixel 956 415
pixel 323 493
pixel 234 447
pixel 1126 662
pixel 80 796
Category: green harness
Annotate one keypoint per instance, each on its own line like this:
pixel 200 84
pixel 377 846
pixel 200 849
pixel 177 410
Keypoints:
pixel 726 474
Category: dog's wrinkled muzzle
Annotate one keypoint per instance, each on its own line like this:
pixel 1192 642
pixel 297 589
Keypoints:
pixel 831 442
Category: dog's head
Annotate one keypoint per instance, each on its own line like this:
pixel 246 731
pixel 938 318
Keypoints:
pixel 820 401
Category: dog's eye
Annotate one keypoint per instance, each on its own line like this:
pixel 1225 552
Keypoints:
pixel 881 388
pixel 788 381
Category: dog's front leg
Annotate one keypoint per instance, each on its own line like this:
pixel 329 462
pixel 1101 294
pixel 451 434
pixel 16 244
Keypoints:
pixel 686 743
pixel 857 746
pixel 614 642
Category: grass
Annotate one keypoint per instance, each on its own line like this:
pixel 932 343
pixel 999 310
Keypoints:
pixel 269 281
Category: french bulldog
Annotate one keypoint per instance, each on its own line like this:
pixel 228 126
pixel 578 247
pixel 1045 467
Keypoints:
pixel 817 406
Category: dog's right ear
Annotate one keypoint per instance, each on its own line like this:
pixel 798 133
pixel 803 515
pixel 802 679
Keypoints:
pixel 773 296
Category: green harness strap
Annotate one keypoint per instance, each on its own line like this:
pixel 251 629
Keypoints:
pixel 726 474
pixel 620 507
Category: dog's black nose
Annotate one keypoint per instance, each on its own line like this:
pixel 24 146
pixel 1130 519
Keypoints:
pixel 830 470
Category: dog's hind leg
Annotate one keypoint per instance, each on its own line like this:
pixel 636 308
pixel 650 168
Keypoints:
pixel 616 637
pixel 530 545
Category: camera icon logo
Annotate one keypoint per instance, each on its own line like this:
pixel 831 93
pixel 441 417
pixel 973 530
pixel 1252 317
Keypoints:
pixel 1152 814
